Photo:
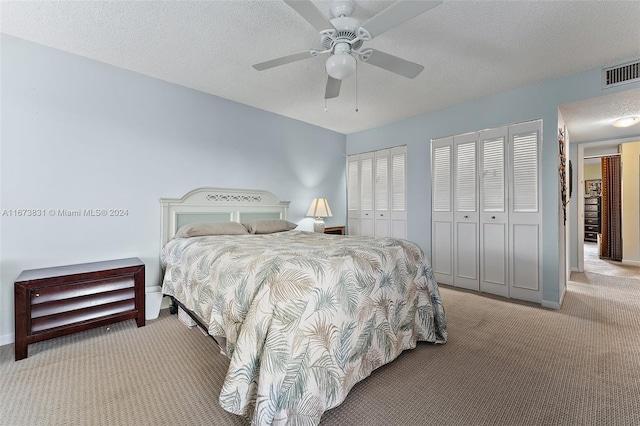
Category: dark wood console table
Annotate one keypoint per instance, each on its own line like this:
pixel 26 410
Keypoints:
pixel 337 230
pixel 53 302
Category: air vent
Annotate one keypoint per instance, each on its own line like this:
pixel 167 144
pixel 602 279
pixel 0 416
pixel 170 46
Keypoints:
pixel 621 74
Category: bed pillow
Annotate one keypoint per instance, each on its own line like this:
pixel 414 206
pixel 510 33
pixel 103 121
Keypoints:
pixel 204 229
pixel 268 226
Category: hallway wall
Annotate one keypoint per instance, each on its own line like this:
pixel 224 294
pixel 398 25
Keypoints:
pixel 592 170
pixel 630 158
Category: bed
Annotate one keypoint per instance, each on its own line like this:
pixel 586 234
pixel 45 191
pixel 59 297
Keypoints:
pixel 302 316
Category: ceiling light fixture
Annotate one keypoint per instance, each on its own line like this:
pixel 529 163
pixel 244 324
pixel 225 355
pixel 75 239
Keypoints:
pixel 341 65
pixel 626 121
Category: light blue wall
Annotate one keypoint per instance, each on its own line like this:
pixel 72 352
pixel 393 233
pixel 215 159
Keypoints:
pixel 78 134
pixel 535 102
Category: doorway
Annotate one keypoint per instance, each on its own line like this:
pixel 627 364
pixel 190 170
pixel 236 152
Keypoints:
pixel 589 170
pixel 589 132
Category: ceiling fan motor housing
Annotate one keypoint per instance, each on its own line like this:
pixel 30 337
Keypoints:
pixel 346 30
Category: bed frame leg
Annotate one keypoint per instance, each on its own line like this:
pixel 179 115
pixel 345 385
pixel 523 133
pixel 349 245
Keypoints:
pixel 173 309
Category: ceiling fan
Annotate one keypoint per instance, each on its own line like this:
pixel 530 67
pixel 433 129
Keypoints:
pixel 343 36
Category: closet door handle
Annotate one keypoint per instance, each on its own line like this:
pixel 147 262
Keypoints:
pixel 493 217
pixel 466 216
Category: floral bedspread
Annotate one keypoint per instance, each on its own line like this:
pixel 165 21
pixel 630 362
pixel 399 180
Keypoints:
pixel 305 315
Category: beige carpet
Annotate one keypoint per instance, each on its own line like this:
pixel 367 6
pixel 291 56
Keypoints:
pixel 505 363
pixel 593 263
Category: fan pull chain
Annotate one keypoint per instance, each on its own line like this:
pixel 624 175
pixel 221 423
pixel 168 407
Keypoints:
pixel 325 99
pixel 356 86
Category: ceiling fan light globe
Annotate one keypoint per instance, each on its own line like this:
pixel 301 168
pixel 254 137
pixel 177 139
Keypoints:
pixel 341 66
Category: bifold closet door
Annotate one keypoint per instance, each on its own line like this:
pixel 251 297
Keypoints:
pixel 486 217
pixel 442 210
pixel 465 214
pixel 525 216
pixel 381 214
pixel 367 223
pixel 398 194
pixel 376 193
pixel 353 195
pixel 493 212
pixel 390 215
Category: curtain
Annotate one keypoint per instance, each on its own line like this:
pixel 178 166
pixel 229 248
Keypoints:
pixel 611 224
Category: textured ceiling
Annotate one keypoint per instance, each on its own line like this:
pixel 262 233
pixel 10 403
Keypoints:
pixel 590 120
pixel 470 49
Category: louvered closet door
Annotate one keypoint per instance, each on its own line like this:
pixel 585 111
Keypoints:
pixel 382 217
pixel 442 210
pixel 376 193
pixel 466 213
pixel 353 194
pixel 367 225
pixel 525 217
pixel 493 212
pixel 398 196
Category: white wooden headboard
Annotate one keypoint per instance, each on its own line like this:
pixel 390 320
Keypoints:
pixel 210 205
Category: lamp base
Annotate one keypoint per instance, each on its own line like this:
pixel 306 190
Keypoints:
pixel 318 225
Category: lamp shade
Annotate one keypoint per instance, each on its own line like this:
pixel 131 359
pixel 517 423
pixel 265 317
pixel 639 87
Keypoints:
pixel 319 208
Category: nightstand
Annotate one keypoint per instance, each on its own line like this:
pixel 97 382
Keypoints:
pixel 336 230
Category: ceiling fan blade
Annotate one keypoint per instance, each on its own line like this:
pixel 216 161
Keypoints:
pixel 394 64
pixel 310 13
pixel 333 88
pixel 396 14
pixel 284 60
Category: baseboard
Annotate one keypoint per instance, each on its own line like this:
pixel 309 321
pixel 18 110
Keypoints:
pixel 564 291
pixel 631 262
pixel 555 305
pixel 551 305
pixel 7 339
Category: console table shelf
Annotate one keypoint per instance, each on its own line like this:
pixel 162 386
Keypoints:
pixel 53 302
pixel 337 230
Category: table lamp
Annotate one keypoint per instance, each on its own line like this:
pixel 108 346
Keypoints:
pixel 319 209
